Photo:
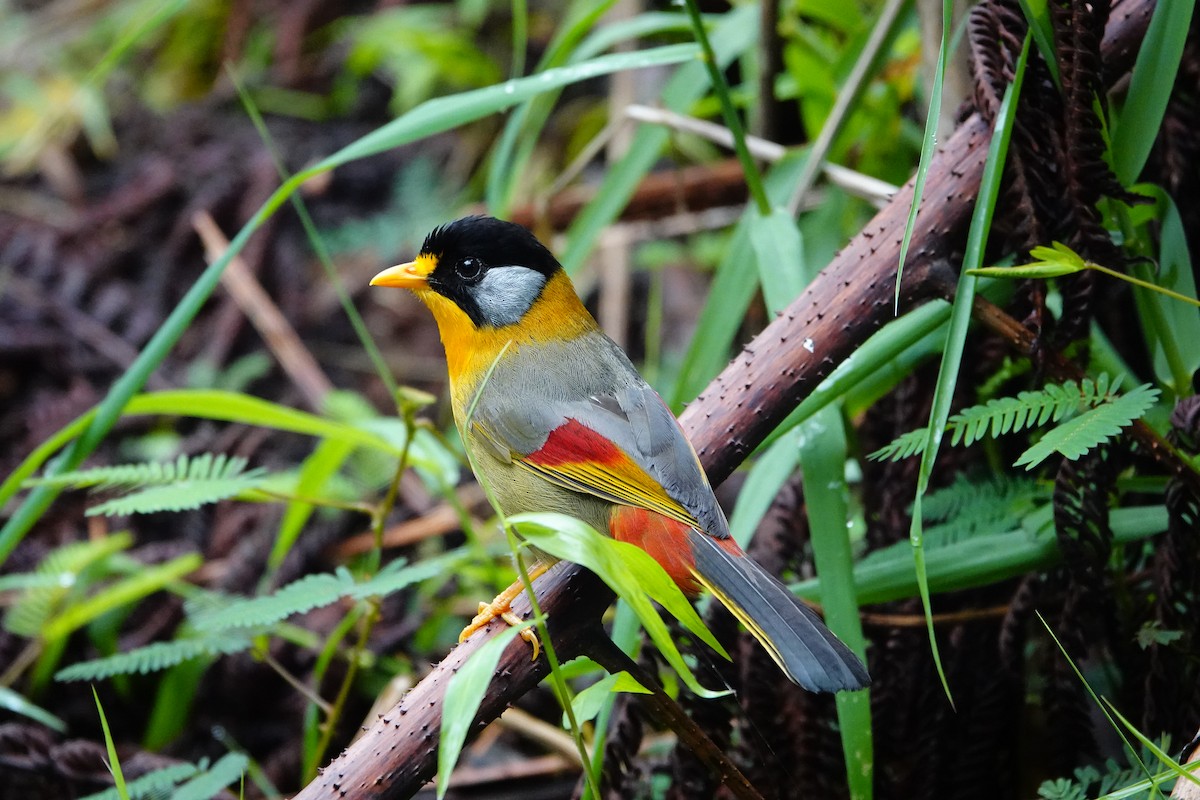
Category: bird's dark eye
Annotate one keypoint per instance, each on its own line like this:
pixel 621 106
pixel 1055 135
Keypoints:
pixel 469 268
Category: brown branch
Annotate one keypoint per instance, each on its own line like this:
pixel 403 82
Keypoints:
pixel 851 299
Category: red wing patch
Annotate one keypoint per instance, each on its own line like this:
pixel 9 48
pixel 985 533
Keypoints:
pixel 575 443
pixel 577 457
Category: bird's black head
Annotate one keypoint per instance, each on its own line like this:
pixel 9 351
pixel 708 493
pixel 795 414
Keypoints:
pixel 491 269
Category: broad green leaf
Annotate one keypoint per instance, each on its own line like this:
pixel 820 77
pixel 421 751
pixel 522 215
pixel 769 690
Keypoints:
pixel 464 693
pixel 887 574
pixel 587 704
pixel 779 251
pixel 766 477
pixel 1150 87
pixel 631 572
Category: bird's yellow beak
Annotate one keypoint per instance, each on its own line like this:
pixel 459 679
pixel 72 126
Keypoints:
pixel 413 275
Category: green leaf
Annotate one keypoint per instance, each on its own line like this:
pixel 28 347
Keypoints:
pixel 587 704
pixel 731 293
pixel 323 589
pixel 1152 633
pixel 928 143
pixel 763 483
pixel 1027 271
pixel 69 567
pixel 1037 14
pixel 145 582
pixel 15 702
pixel 960 317
pixel 731 36
pixel 779 252
pixel 183 495
pixel 1079 435
pixel 464 693
pixel 444 113
pixel 229 768
pixel 1150 87
pixel 202 466
pixel 151 785
pixel 631 572
pixel 1157 751
pixel 887 574
pixel 1004 415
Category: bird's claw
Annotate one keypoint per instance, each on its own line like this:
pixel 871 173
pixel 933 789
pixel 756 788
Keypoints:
pixel 489 612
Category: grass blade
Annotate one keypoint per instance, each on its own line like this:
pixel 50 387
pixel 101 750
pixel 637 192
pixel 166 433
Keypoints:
pixel 928 141
pixel 114 763
pixel 960 317
pixel 1150 87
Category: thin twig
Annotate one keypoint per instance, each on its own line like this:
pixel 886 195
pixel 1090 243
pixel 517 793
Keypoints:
pixel 855 183
pixel 265 316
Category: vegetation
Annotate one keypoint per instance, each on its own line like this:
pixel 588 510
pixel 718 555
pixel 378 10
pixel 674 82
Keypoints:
pixel 247 565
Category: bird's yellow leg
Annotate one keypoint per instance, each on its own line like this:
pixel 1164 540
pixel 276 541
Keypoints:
pixel 501 607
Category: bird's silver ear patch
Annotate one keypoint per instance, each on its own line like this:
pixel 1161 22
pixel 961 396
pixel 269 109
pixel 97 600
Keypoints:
pixel 504 294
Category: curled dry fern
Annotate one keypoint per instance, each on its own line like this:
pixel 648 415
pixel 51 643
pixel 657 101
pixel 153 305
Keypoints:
pixel 1107 413
pixel 178 485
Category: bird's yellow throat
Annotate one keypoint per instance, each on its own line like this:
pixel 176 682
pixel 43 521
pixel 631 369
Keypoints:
pixel 556 315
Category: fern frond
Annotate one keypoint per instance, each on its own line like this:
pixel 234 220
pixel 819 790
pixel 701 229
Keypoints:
pixel 979 498
pixel 313 591
pixel 1002 415
pixel 182 495
pixel 903 446
pixel 178 485
pixel 1094 427
pixel 60 575
pixel 205 466
pixel 153 658
pixel 973 508
pixel 308 593
pixel 155 783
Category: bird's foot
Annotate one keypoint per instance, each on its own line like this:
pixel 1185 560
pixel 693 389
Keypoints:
pixel 501 607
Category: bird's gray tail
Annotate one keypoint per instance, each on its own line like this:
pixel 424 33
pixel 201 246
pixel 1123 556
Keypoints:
pixel 792 633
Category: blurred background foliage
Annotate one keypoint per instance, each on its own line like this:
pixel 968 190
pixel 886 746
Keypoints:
pixel 270 560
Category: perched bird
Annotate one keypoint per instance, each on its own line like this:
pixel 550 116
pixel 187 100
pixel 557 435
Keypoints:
pixel 565 423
